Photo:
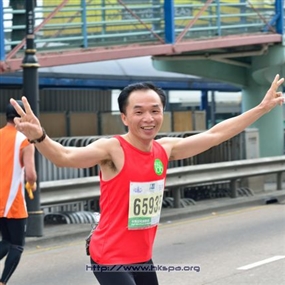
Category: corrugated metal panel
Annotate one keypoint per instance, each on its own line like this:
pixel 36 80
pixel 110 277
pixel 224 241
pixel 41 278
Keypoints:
pixel 75 100
pixel 6 94
pixel 61 100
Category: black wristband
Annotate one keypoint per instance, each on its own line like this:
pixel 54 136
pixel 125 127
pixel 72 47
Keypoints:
pixel 39 139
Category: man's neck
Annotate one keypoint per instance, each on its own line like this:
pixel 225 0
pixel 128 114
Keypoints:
pixel 139 144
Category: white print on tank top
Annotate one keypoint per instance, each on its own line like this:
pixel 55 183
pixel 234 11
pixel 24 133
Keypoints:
pixel 145 204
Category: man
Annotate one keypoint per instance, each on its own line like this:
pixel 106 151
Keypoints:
pixel 16 164
pixel 132 172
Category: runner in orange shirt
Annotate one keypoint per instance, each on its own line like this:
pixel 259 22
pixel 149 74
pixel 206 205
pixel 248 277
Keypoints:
pixel 17 164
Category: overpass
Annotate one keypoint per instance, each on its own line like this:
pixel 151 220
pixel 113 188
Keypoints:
pixel 237 42
pixel 71 32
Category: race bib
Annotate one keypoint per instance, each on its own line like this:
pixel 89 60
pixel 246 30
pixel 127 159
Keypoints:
pixel 145 204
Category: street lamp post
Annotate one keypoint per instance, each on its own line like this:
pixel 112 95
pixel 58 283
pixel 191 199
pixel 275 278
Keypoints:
pixel 31 91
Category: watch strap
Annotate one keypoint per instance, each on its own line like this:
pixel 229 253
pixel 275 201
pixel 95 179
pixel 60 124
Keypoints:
pixel 39 139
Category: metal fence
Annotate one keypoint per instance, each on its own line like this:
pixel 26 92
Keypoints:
pixel 233 149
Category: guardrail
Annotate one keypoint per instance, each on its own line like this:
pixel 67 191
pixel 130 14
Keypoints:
pixel 82 189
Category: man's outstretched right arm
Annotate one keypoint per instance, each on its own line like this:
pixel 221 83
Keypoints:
pixel 76 157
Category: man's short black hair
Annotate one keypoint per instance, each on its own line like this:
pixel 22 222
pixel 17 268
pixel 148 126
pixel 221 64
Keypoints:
pixel 124 95
pixel 11 113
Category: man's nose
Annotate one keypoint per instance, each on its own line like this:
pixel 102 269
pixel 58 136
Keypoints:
pixel 148 116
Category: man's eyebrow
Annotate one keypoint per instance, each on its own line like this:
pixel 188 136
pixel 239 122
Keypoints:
pixel 139 106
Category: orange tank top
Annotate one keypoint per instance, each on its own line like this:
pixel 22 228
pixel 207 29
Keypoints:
pixel 12 194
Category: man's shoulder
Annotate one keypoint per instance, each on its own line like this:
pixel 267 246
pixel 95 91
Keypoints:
pixel 164 140
pixel 8 129
pixel 108 140
pixel 107 143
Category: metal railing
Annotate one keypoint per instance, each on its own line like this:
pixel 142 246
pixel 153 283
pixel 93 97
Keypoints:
pixel 86 189
pixel 62 25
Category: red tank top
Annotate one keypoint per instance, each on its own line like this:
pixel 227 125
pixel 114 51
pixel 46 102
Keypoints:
pixel 114 242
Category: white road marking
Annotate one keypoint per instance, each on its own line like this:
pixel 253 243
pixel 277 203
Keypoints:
pixel 258 263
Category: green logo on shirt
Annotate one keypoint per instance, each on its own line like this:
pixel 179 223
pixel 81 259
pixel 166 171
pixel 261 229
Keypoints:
pixel 158 167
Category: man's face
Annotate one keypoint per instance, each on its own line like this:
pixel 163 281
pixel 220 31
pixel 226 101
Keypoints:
pixel 144 114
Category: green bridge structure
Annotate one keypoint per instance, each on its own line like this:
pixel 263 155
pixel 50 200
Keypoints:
pixel 234 42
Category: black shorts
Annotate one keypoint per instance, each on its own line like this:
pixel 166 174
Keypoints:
pixel 13 230
pixel 129 274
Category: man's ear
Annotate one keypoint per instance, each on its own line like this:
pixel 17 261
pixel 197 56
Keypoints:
pixel 124 119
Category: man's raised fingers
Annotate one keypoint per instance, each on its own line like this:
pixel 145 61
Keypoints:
pixel 280 81
pixel 277 82
pixel 27 106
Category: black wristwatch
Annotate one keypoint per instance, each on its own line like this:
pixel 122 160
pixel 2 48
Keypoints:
pixel 39 139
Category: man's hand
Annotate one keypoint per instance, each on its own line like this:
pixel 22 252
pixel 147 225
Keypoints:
pixel 28 123
pixel 273 97
pixel 30 189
